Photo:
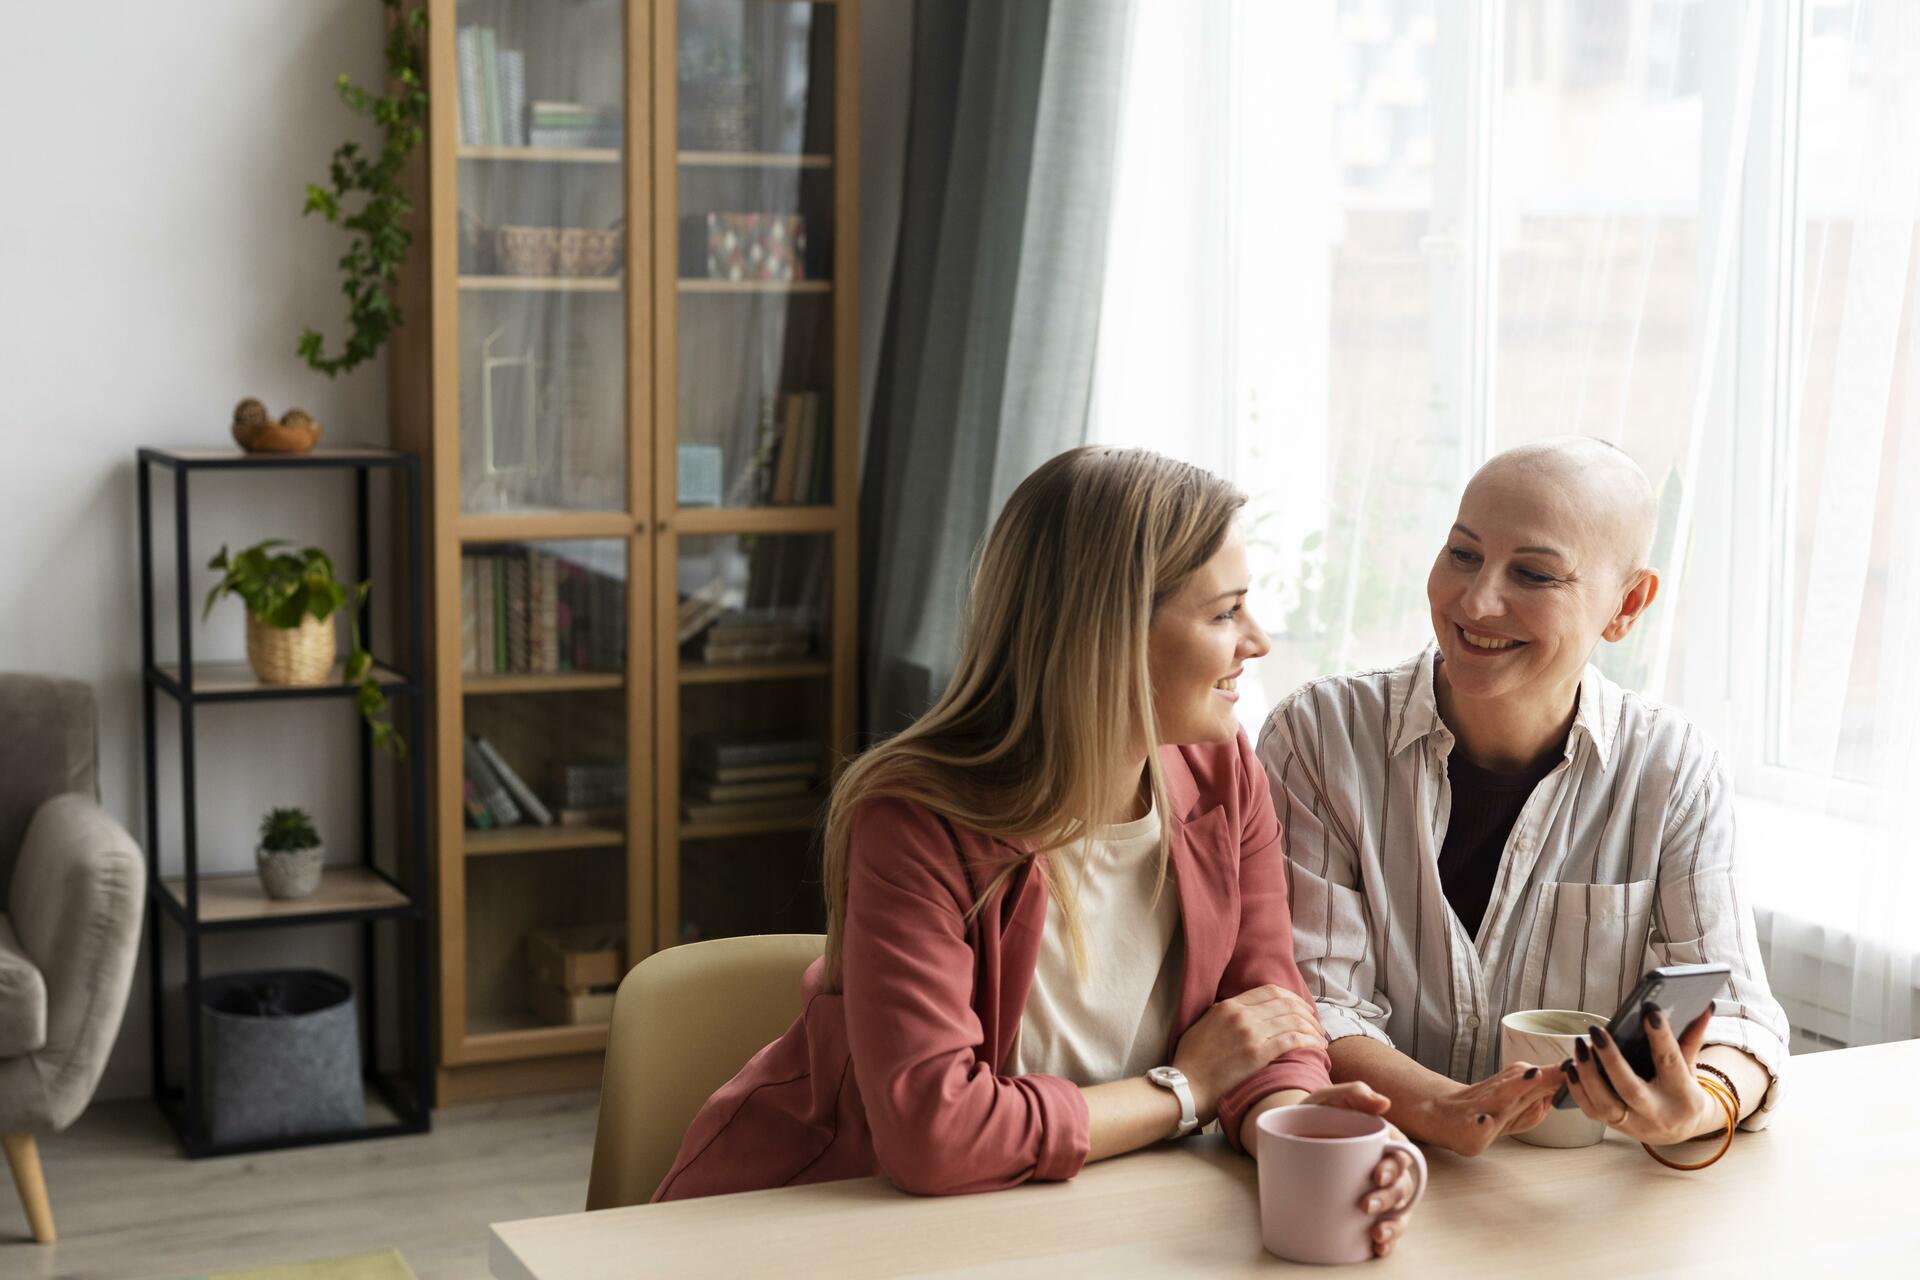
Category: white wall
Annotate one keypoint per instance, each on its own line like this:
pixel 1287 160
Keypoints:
pixel 154 268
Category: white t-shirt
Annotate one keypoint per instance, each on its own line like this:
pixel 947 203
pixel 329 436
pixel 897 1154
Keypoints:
pixel 1115 1022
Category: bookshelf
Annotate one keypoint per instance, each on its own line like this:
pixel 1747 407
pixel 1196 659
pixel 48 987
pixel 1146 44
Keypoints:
pixel 382 900
pixel 630 364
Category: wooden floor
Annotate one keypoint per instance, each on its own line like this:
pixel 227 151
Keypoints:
pixel 127 1204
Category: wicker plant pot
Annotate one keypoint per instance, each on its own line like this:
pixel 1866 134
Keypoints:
pixel 297 655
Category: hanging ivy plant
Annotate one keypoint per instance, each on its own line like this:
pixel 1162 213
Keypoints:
pixel 380 238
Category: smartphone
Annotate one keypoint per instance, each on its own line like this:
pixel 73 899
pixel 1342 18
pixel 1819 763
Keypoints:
pixel 1683 992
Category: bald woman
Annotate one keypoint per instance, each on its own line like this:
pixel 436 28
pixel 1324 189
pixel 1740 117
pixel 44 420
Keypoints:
pixel 1494 825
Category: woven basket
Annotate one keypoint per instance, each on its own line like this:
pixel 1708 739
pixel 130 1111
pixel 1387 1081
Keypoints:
pixel 297 655
pixel 556 251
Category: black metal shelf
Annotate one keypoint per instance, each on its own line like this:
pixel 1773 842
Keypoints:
pixel 202 906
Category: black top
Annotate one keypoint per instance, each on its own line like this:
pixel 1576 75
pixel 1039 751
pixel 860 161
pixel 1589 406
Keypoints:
pixel 1485 807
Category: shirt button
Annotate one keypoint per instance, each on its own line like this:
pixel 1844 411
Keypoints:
pixel 1473 1021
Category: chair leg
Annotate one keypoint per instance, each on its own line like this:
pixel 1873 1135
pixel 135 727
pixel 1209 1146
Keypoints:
pixel 23 1154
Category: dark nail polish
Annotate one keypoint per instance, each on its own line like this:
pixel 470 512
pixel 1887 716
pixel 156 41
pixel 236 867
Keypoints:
pixel 1530 1073
pixel 1567 1065
pixel 1650 1014
pixel 1573 1073
pixel 1581 1051
pixel 1599 1037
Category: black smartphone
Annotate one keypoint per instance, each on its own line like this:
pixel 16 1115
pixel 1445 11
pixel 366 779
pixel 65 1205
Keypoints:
pixel 1683 992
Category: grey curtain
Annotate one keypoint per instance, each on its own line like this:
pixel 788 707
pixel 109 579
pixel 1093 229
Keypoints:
pixel 987 358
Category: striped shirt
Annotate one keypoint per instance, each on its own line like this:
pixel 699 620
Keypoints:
pixel 1623 858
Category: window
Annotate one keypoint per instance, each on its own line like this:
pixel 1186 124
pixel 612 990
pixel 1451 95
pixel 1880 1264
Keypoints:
pixel 1360 245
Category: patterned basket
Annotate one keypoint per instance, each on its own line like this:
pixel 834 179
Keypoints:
pixel 556 251
pixel 299 655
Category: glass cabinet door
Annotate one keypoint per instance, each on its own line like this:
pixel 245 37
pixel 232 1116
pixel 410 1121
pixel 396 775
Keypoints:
pixel 755 135
pixel 543 253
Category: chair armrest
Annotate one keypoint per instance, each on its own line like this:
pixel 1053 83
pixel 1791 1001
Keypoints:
pixel 76 908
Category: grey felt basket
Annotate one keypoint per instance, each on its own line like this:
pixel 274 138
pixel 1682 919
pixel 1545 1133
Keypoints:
pixel 282 1054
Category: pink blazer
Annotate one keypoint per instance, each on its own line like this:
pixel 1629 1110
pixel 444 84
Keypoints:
pixel 902 1072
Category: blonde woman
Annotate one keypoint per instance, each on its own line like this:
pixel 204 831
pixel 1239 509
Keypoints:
pixel 1064 879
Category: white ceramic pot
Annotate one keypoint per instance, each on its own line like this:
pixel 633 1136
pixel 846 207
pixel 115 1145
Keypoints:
pixel 290 875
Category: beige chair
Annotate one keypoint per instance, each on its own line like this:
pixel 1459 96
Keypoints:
pixel 685 1020
pixel 73 881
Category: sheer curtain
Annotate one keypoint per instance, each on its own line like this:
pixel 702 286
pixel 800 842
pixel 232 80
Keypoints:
pixel 1359 245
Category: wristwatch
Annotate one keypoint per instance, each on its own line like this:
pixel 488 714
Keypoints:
pixel 1175 1081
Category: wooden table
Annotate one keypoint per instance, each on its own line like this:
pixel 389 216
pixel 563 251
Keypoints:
pixel 1830 1188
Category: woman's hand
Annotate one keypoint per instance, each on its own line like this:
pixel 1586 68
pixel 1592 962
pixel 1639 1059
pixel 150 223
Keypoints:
pixel 1393 1181
pixel 1237 1037
pixel 1468 1119
pixel 1671 1107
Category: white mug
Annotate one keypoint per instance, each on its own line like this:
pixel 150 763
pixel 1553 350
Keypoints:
pixel 1545 1038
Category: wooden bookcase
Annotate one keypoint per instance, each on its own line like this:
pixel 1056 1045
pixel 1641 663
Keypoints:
pixel 577 429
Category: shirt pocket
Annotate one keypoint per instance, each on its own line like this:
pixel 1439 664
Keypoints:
pixel 1587 946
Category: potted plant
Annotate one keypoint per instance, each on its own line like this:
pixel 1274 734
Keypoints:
pixel 290 856
pixel 291 599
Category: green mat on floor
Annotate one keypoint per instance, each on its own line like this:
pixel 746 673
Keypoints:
pixel 385 1265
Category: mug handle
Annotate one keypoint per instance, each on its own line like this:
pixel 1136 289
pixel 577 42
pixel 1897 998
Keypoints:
pixel 1420 1175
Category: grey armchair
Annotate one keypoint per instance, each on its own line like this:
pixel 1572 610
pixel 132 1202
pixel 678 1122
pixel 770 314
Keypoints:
pixel 73 880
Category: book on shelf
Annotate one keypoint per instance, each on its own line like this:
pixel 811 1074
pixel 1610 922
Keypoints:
pixel 710 752
pixel 590 784
pixel 700 791
pixel 804 769
pixel 794 808
pixel 702 607
pixel 536 613
pixel 516 786
pixel 492 792
pixel 466 56
pixel 516 615
pixel 513 97
pixel 611 816
pixel 478 814
pixel 788 463
pixel 723 655
pixel 492 133
pixel 469 617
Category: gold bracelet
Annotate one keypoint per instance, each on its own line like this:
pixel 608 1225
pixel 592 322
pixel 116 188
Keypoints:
pixel 1718 1093
pixel 1724 1079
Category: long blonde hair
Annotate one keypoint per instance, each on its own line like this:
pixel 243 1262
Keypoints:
pixel 1052 683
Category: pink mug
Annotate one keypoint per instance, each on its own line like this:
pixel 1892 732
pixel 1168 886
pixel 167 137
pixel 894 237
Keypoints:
pixel 1316 1165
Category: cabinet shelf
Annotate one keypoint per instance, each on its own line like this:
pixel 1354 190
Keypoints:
pixel 753 160
pixel 542 284
pixel 749 827
pixel 530 839
pixel 747 672
pixel 542 155
pixel 694 284
pixel 479 686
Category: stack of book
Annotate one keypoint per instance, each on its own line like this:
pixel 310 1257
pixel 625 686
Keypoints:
pixel 493 89
pixel 526 611
pixel 573 124
pixel 752 779
pixel 590 793
pixel 758 635
pixel 494 794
